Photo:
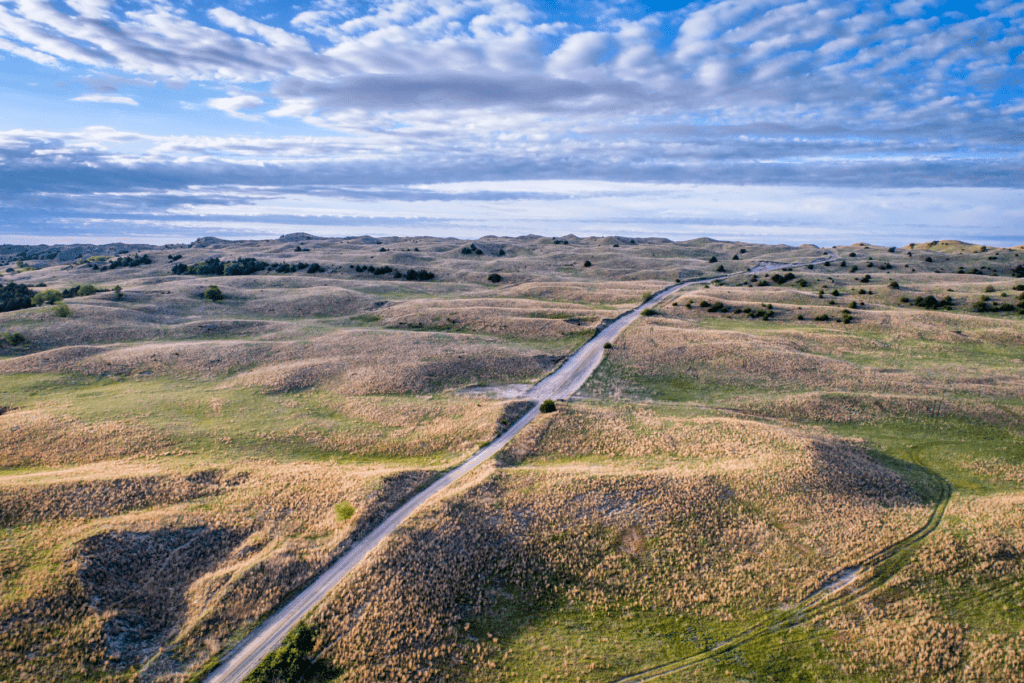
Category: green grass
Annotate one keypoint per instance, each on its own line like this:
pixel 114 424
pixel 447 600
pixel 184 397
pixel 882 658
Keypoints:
pixel 607 644
pixel 942 445
pixel 212 422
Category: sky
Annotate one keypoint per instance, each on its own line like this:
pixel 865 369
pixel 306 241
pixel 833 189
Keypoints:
pixel 768 121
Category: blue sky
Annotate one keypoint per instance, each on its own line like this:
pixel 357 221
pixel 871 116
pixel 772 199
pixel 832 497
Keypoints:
pixel 773 121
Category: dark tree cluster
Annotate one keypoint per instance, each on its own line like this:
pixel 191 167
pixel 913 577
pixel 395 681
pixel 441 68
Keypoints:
pixel 79 290
pixel 14 297
pixel 931 303
pixel 412 274
pixel 765 312
pixel 782 279
pixel 124 262
pixel 986 305
pixel 473 250
pixel 243 266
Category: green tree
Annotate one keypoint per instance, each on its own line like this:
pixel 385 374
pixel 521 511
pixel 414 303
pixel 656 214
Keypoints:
pixel 548 406
pixel 213 293
pixel 49 296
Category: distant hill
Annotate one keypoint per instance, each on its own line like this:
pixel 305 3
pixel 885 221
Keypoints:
pixel 952 247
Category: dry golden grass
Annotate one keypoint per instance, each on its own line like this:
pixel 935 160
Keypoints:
pixel 602 293
pixel 360 362
pixel 753 524
pixel 40 438
pixel 659 349
pixel 381 427
pixel 137 563
pixel 932 622
pixel 517 318
pixel 862 408
pixel 351 361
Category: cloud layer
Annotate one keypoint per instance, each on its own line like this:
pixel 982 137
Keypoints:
pixel 866 96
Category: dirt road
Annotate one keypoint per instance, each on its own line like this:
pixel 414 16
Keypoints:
pixel 561 384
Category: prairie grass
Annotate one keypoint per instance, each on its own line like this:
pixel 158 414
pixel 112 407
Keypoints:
pixel 626 549
pixel 99 574
pixel 171 468
pixel 65 420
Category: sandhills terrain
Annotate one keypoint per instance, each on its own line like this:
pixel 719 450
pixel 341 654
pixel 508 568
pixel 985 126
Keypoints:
pixel 810 473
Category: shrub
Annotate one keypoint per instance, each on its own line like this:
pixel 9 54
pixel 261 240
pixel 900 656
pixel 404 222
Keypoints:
pixel 414 274
pixel 86 290
pixel 822 318
pixel 548 406
pixel 14 297
pixel 14 338
pixel 49 296
pixel 713 259
pixel 648 296
pixel 211 266
pixel 607 345
pixel 244 266
pixel 735 257
pixel 293 660
pixel 129 261
pixel 720 269
pixel 894 285
pixel 990 288
pixel 118 292
pixel 344 511
pixel 648 312
pixel 494 277
pixel 62 310
pixel 782 279
pixel 931 303
pixel 314 268
pixel 213 293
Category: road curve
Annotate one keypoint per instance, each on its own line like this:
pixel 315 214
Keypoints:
pixel 561 384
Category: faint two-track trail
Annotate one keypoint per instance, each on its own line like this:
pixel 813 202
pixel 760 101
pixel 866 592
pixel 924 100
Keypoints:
pixel 561 384
pixel 847 585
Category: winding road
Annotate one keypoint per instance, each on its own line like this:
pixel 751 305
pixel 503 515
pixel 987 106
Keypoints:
pixel 559 385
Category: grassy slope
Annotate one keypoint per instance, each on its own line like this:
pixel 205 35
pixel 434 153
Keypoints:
pixel 203 421
pixel 977 446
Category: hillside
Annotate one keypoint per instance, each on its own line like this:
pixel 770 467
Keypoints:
pixel 174 465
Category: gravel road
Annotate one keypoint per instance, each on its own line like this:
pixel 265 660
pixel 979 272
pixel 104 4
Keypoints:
pixel 561 384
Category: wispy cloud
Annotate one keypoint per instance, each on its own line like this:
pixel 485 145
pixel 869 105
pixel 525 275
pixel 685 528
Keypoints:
pixel 814 94
pixel 106 99
pixel 234 105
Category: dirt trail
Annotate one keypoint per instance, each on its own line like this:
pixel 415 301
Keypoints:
pixel 847 585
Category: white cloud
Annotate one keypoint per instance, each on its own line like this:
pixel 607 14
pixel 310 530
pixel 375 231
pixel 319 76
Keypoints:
pixel 274 36
pixel 106 99
pixel 234 105
pixel 760 92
